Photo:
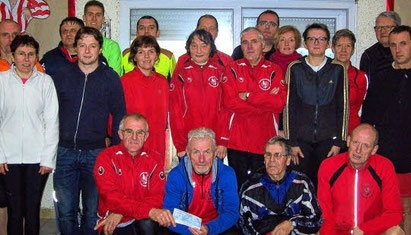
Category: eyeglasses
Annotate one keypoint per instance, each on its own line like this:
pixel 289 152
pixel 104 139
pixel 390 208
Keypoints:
pixel 386 27
pixel 24 54
pixel 268 23
pixel 321 40
pixel 275 155
pixel 130 133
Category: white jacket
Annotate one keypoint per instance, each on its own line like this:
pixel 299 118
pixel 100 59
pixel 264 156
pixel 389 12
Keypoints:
pixel 29 126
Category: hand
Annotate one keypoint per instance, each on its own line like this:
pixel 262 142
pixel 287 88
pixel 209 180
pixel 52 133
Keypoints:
pixel 162 216
pixel 333 151
pixel 296 152
pixel 358 231
pixel 243 95
pixel 26 12
pixel 45 170
pixel 284 228
pixel 3 168
pixel 221 151
pixel 110 223
pixel 108 141
pixel 181 154
pixel 202 231
pixel 275 90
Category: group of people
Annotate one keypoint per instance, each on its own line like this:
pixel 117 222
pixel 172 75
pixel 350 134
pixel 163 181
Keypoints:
pixel 281 119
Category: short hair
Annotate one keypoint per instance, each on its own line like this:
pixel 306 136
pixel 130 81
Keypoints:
pixel 146 17
pixel 320 26
pixel 400 29
pixel 251 29
pixel 280 141
pixel 269 12
pixel 142 41
pixel 285 29
pixel 24 40
pixel 205 37
pixel 89 31
pixel 344 33
pixel 207 16
pixel 390 14
pixel 136 117
pixel 363 125
pixel 10 21
pixel 201 133
pixel 72 20
pixel 93 3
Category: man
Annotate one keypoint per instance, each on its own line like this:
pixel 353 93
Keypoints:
pixel 203 186
pixel 94 17
pixel 88 93
pixel 65 53
pixel 388 107
pixel 166 63
pixel 8 31
pixel 270 198
pixel 267 23
pixel 358 190
pixel 210 24
pixel 254 92
pixel 125 205
pixel 377 58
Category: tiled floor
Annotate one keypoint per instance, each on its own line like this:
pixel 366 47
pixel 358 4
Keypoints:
pixel 48 227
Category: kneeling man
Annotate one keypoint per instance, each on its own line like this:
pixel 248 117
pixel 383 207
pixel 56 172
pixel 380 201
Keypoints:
pixel 203 186
pixel 358 190
pixel 130 183
pixel 278 200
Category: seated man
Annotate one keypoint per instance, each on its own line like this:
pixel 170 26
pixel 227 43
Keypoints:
pixel 277 200
pixel 130 183
pixel 203 186
pixel 358 190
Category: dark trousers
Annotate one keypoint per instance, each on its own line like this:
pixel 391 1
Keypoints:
pixel 24 188
pixel 244 164
pixel 314 154
pixel 3 197
pixel 231 231
pixel 139 227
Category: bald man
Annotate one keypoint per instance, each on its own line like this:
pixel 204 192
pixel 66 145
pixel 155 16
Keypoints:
pixel 358 190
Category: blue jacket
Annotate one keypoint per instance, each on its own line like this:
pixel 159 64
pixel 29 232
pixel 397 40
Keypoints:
pixel 179 193
pixel 86 100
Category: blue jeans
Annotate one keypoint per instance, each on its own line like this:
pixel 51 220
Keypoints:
pixel 74 174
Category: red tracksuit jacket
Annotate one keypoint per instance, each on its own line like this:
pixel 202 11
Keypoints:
pixel 196 101
pixel 256 120
pixel 358 83
pixel 126 186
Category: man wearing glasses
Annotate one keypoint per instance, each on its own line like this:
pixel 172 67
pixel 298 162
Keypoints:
pixel 378 57
pixel 270 199
pixel 316 113
pixel 267 23
pixel 130 183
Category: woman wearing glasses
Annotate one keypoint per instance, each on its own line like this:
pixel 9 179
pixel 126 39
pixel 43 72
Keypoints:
pixel 316 113
pixel 146 92
pixel 28 135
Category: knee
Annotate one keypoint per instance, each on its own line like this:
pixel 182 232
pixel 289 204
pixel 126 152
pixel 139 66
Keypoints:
pixel 395 230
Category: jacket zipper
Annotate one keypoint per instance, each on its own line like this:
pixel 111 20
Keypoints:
pixel 79 113
pixel 356 199
pixel 316 109
pixel 278 192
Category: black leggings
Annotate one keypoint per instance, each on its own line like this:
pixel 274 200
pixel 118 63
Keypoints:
pixel 24 188
pixel 138 227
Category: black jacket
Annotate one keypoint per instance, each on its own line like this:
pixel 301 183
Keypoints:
pixel 317 103
pixel 86 100
pixel 375 59
pixel 238 53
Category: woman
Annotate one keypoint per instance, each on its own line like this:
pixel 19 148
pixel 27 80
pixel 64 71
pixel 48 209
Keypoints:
pixel 286 40
pixel 195 94
pixel 146 92
pixel 316 113
pixel 343 48
pixel 28 135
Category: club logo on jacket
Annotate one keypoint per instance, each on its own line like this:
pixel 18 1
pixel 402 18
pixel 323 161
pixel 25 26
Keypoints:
pixel 264 84
pixel 144 179
pixel 225 79
pixel 367 190
pixel 189 80
pixel 241 79
pixel 100 170
pixel 213 81
pixel 161 175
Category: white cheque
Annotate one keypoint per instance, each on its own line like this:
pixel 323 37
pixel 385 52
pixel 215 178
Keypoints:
pixel 187 219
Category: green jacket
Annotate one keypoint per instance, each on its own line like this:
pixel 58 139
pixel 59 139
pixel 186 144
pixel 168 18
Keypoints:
pixel 112 53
